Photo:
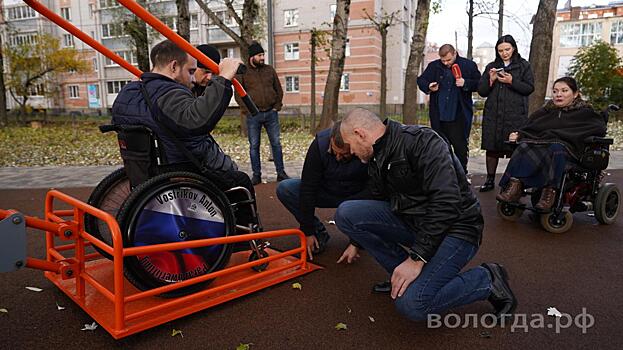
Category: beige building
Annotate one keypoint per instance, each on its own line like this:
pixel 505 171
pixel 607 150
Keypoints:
pixel 577 27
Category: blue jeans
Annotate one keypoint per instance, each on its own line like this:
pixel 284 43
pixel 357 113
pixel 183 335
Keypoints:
pixel 270 121
pixel 288 192
pixel 440 286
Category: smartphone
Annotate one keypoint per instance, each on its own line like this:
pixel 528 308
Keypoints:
pixel 499 71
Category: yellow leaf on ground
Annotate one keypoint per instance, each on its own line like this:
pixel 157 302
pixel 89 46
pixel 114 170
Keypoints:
pixel 243 346
pixel 341 326
pixel 297 286
pixel 176 332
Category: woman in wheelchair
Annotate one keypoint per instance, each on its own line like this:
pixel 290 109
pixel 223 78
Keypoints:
pixel 549 144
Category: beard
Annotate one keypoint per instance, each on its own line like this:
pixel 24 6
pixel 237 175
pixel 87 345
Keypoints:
pixel 258 63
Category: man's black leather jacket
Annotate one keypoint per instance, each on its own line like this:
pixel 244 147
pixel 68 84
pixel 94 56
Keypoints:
pixel 415 170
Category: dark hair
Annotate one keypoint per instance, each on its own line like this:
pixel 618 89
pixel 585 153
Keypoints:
pixel 509 40
pixel 336 135
pixel 569 81
pixel 165 52
pixel 446 49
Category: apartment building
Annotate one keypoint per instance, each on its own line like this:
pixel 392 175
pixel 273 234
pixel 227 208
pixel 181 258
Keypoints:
pixel 286 42
pixel 361 79
pixel 577 27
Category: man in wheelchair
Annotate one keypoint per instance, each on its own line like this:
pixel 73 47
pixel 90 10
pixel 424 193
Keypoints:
pixel 563 141
pixel 162 101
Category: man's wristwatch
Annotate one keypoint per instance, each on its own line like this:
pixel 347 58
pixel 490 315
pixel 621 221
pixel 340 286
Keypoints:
pixel 416 257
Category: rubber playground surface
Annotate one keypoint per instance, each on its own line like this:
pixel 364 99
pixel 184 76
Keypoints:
pixel 578 273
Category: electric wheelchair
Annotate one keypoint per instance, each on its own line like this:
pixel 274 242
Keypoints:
pixel 155 202
pixel 581 190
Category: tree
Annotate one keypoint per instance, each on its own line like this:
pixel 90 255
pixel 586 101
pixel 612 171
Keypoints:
pixel 382 22
pixel 500 18
pixel 542 36
pixel 475 9
pixel 4 118
pixel 336 66
pixel 416 54
pixel 249 23
pixel 183 19
pixel 31 63
pixel 137 29
pixel 317 39
pixel 595 68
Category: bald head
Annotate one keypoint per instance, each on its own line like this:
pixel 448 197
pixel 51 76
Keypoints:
pixel 360 129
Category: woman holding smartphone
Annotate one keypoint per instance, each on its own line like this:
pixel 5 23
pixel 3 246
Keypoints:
pixel 506 83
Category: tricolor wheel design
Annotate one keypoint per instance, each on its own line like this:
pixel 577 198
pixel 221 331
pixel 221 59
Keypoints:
pixel 175 207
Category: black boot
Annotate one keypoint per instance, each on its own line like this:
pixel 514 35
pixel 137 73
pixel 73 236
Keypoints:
pixel 489 184
pixel 502 297
pixel 384 287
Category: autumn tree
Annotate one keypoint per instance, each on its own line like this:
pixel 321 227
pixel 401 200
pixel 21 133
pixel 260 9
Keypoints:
pixel 336 65
pixel 595 69
pixel 382 22
pixel 416 54
pixel 183 19
pixel 542 36
pixel 31 64
pixel 317 39
pixel 4 118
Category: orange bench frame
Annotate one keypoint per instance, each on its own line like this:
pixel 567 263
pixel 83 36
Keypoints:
pixel 90 280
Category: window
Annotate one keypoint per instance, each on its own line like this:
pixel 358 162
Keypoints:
pixel 111 30
pixel 66 13
pixel 74 91
pixel 291 51
pixel 36 90
pixel 91 10
pixel 68 40
pixel 171 22
pixel 347 48
pixel 292 83
pixel 23 38
pixel 128 55
pixel 332 10
pixel 108 3
pixel 115 86
pixel 95 65
pixel 345 82
pixel 20 12
pixel 579 34
pixel 290 18
pixel 616 33
pixel 224 17
pixel 194 21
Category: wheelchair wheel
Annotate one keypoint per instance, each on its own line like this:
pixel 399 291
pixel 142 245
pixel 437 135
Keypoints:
pixel 175 207
pixel 108 196
pixel 509 212
pixel 554 223
pixel 607 204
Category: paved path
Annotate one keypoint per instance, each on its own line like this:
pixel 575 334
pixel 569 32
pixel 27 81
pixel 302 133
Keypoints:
pixel 87 176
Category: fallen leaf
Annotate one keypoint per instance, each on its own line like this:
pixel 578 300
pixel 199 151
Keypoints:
pixel 485 334
pixel 331 222
pixel 371 318
pixel 244 346
pixel 349 310
pixel 34 289
pixel 552 311
pixel 5 311
pixel 60 307
pixel 297 286
pixel 89 327
pixel 341 326
pixel 176 332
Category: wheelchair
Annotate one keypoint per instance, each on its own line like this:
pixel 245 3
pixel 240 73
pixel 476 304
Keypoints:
pixel 155 202
pixel 581 190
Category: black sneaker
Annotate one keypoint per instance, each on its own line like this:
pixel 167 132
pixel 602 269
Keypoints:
pixel 502 297
pixel 322 237
pixel 384 287
pixel 282 176
pixel 256 180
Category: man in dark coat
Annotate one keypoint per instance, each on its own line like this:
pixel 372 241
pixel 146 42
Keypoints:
pixel 203 74
pixel 451 107
pixel 429 228
pixel 330 176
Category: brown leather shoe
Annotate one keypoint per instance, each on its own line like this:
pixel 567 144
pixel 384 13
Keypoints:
pixel 512 193
pixel 548 196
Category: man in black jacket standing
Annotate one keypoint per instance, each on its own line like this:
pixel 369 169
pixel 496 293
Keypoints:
pixel 330 176
pixel 431 225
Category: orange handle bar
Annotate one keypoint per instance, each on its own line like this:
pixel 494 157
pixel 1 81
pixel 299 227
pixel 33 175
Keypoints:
pixel 156 24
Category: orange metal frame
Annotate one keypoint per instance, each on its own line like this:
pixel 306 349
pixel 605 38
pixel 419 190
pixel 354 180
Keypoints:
pixel 98 287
